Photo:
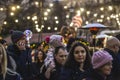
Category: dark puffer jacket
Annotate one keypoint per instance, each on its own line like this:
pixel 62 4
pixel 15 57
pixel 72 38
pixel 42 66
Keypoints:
pixel 23 61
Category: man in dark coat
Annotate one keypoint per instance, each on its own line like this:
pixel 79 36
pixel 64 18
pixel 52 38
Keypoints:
pixel 21 54
pixel 112 47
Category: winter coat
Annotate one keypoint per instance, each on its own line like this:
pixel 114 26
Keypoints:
pixel 11 75
pixel 23 61
pixel 71 74
pixel 94 75
pixel 115 72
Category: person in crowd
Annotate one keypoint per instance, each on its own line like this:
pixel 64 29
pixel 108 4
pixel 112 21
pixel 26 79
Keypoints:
pixel 53 41
pixel 77 63
pixel 65 33
pixel 11 63
pixel 112 47
pixel 118 55
pixel 6 73
pixel 39 62
pixel 101 66
pixel 4 43
pixel 54 69
pixel 21 54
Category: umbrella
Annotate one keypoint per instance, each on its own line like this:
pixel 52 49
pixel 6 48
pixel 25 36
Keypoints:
pixel 102 36
pixel 92 25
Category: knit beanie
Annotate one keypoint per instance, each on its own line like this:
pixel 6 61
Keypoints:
pixel 100 58
pixel 56 40
pixel 16 36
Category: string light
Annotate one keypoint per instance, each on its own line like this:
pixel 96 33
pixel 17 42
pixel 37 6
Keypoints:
pixel 49 28
pixel 5 22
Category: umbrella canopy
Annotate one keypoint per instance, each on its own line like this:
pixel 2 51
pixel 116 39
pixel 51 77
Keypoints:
pixel 102 36
pixel 96 25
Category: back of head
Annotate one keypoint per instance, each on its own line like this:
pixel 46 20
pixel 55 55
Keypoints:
pixel 112 42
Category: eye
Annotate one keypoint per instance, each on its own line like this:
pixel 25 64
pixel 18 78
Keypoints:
pixel 82 51
pixel 77 52
pixel 63 55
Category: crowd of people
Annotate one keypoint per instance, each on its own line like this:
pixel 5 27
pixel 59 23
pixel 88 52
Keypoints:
pixel 60 56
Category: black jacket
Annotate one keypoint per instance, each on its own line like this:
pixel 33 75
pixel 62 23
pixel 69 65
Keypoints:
pixel 23 61
pixel 115 72
pixel 11 75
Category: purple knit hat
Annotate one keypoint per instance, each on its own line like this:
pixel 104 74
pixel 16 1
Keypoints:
pixel 100 58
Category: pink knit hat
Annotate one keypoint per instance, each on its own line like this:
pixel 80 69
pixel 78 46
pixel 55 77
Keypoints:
pixel 100 58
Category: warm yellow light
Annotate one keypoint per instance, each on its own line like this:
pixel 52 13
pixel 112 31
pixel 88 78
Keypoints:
pixel 36 22
pixel 88 12
pixel 117 15
pixel 1 9
pixel 5 22
pixel 51 5
pixel 49 28
pixel 65 7
pixel 13 8
pixel 42 26
pixel 95 15
pixel 36 25
pixel 110 8
pixel 36 3
pixel 56 17
pixel 57 22
pixel 16 20
pixel 55 28
pixel 12 14
pixel 45 18
pixel 34 18
pixel 78 12
pixel 86 22
pixel 38 29
pixel 48 10
pixel 82 9
pixel 67 16
pixel 18 7
pixel 108 18
pixel 28 17
pixel 102 16
pixel 45 13
pixel 117 19
pixel 101 8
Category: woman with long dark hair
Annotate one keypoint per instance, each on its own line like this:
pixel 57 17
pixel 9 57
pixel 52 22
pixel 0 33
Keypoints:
pixel 77 63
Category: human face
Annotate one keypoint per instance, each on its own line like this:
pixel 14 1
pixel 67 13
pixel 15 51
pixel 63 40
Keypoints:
pixel 40 55
pixel 106 69
pixel 22 43
pixel 61 56
pixel 79 54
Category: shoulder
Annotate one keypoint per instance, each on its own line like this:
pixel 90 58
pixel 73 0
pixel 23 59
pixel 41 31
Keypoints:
pixel 12 75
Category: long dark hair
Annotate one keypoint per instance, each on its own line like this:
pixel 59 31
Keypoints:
pixel 71 63
pixel 36 56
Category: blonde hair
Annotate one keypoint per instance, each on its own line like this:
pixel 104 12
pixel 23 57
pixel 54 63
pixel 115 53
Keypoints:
pixel 3 61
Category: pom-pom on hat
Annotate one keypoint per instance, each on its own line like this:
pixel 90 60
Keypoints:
pixel 100 58
pixel 16 36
